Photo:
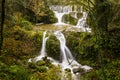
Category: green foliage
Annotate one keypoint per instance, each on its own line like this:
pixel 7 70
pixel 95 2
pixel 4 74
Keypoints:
pixel 26 25
pixel 19 73
pixel 69 19
pixel 85 44
pixel 44 70
pixel 13 72
pixel 92 75
pixel 48 18
pixel 115 15
pixel 20 43
pixel 52 47
pixel 19 33
pixel 3 68
pixel 52 74
pixel 38 40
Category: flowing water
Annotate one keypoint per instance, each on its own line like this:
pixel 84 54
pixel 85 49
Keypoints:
pixel 82 23
pixel 68 61
pixel 43 50
pixel 59 11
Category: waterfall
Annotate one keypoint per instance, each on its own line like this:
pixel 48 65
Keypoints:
pixel 82 22
pixel 59 11
pixel 67 58
pixel 65 52
pixel 59 17
pixel 43 52
pixel 43 49
pixel 68 61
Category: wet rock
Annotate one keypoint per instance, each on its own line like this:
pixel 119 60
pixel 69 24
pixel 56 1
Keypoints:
pixel 86 68
pixel 40 63
pixel 78 70
pixel 68 70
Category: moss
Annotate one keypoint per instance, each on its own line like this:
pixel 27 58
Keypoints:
pixel 52 47
pixel 69 19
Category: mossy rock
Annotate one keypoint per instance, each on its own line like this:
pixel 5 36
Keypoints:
pixel 42 68
pixel 40 63
pixel 69 19
pixel 78 70
pixel 53 47
pixel 32 65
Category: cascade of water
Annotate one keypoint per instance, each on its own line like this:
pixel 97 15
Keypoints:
pixel 59 17
pixel 59 11
pixel 75 15
pixel 82 22
pixel 67 58
pixel 68 61
pixel 62 40
pixel 43 49
pixel 43 52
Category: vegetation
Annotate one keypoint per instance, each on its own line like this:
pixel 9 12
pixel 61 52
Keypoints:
pixel 69 19
pixel 20 42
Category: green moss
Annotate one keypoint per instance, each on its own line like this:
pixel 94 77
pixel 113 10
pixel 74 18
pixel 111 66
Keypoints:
pixel 53 47
pixel 69 19
pixel 26 25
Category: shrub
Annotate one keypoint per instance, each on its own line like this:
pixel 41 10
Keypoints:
pixel 19 73
pixel 26 25
pixel 53 47
pixel 69 19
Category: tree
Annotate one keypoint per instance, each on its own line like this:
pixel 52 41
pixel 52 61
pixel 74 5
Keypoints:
pixel 2 23
pixel 102 12
pixel 101 20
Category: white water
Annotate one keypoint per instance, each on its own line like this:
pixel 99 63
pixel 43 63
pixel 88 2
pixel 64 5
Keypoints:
pixel 66 54
pixel 82 22
pixel 59 11
pixel 43 50
pixel 68 62
pixel 59 17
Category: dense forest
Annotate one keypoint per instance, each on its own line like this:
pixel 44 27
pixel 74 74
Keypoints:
pixel 23 22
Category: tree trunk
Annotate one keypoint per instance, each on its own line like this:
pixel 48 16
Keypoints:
pixel 2 23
